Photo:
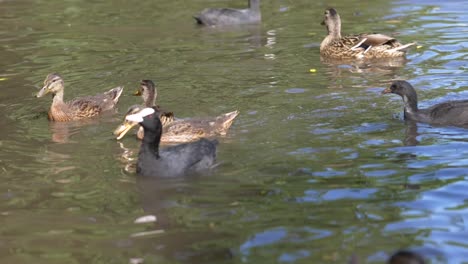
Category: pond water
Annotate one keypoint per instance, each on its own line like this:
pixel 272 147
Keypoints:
pixel 315 169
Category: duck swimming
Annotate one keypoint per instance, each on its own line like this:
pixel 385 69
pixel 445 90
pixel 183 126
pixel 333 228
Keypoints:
pixel 230 16
pixel 451 113
pixel 78 108
pixel 181 130
pixel 175 130
pixel 173 161
pixel 361 46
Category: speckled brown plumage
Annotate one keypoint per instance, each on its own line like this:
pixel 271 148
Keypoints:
pixel 183 130
pixel 361 46
pixel 175 130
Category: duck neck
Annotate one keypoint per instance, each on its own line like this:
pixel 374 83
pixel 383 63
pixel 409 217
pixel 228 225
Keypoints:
pixel 334 33
pixel 57 98
pixel 150 99
pixel 411 106
pixel 334 30
pixel 254 5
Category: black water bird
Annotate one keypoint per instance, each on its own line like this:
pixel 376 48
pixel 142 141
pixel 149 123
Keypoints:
pixel 450 113
pixel 173 161
pixel 230 16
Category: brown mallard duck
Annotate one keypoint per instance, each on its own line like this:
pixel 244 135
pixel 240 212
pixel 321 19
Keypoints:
pixel 181 130
pixel 361 46
pixel 230 16
pixel 175 130
pixel 78 108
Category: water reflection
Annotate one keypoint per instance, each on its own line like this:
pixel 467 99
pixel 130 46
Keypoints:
pixel 161 197
pixel 251 34
pixel 411 133
pixel 367 70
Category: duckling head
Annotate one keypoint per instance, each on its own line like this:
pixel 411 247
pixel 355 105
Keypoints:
pixel 53 83
pixel 402 88
pixel 148 92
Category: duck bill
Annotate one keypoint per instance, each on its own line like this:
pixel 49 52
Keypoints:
pixel 121 130
pixel 137 93
pixel 386 91
pixel 42 92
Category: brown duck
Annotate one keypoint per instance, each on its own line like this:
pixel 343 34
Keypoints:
pixel 451 113
pixel 361 46
pixel 175 130
pixel 78 108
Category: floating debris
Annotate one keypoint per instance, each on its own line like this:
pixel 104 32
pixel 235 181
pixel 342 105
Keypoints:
pixel 147 233
pixel 145 219
pixel 136 261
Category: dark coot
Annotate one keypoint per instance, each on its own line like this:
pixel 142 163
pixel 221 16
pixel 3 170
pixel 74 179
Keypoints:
pixel 173 161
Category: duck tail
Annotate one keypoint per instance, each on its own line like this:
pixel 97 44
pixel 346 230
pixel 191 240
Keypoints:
pixel 224 121
pixel 115 93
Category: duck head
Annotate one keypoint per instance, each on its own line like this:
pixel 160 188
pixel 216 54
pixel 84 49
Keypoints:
pixel 332 21
pixel 148 92
pixel 53 83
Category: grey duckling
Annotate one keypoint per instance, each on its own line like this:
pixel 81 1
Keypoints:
pixel 230 16
pixel 451 113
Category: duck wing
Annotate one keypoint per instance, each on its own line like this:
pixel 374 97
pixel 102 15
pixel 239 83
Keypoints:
pixel 96 103
pixel 191 129
pixel 369 45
